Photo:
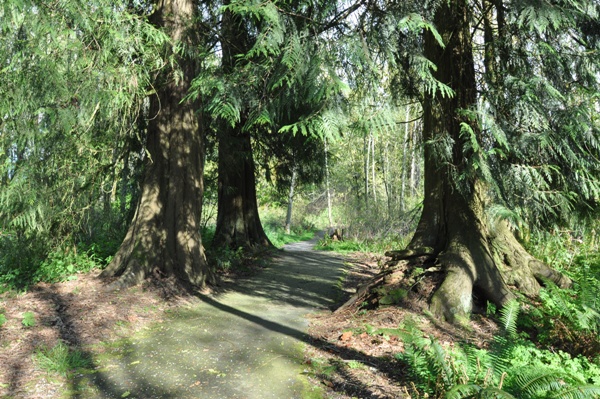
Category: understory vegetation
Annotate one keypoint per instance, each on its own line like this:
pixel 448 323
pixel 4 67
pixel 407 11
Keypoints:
pixel 185 140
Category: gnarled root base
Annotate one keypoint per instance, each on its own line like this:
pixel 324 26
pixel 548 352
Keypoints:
pixel 151 252
pixel 493 265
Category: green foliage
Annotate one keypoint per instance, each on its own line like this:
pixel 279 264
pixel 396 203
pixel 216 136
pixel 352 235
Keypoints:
pixel 64 264
pixel 378 244
pixel 567 318
pixel 228 260
pixel 538 117
pixel 25 262
pixel 60 359
pixel 2 319
pixel 511 368
pixel 273 222
pixel 28 319
pixel 508 317
pixel 58 147
pixel 72 92
pixel 19 258
pixel 279 237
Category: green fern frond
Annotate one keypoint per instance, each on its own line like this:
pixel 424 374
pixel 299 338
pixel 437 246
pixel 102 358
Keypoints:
pixel 508 317
pixel 578 392
pixel 424 68
pixel 464 391
pixel 439 362
pixel 495 393
pixel 498 212
pixel 415 23
pixel 227 109
pixel 472 391
pixel 534 383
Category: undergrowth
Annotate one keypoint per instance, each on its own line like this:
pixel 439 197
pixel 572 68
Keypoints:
pixel 512 367
pixel 567 319
pixel 26 262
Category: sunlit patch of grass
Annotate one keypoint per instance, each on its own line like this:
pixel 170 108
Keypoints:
pixel 374 245
pixel 279 237
pixel 60 359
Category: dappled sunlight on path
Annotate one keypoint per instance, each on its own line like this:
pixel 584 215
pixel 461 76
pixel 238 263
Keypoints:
pixel 246 342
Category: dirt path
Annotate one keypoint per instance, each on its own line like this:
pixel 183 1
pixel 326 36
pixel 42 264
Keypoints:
pixel 244 343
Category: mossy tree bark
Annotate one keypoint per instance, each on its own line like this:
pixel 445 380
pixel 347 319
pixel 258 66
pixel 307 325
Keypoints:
pixel 454 226
pixel 164 235
pixel 238 221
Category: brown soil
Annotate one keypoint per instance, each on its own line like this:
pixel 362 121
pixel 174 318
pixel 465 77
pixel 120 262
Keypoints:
pixel 80 313
pixel 361 364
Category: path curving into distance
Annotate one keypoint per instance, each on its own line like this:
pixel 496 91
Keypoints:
pixel 245 343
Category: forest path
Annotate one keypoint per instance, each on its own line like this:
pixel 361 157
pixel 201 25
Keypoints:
pixel 244 343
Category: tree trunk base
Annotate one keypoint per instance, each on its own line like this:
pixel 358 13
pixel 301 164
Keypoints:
pixel 492 268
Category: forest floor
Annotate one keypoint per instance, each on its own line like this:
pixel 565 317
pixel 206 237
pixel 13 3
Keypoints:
pixel 257 340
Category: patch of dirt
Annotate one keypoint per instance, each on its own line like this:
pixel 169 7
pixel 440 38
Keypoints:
pixel 352 363
pixel 80 313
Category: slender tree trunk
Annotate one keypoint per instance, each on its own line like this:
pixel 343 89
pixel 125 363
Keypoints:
pixel 288 217
pixel 405 150
pixel 453 225
pixel 164 235
pixel 238 221
pixel 386 180
pixel 414 173
pixel 366 153
pixel 373 185
pixel 329 213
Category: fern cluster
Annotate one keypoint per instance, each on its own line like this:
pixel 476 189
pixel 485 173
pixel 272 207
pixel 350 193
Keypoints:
pixel 510 368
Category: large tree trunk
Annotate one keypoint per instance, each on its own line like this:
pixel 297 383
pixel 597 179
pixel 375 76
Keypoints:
pixel 164 235
pixel 238 222
pixel 454 227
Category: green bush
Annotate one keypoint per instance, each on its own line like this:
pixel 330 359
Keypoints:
pixel 567 319
pixel 19 259
pixel 27 261
pixel 62 265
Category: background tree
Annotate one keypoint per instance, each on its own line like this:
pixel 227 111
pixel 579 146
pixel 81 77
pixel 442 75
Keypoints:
pixel 267 55
pixel 238 221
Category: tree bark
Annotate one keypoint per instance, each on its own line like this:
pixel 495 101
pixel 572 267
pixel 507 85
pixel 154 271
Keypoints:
pixel 329 212
pixel 473 253
pixel 238 221
pixel 288 217
pixel 164 235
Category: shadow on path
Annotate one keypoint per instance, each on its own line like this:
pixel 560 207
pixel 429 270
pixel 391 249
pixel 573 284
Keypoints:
pixel 246 342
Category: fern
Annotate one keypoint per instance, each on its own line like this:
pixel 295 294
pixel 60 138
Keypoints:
pixel 508 317
pixel 577 392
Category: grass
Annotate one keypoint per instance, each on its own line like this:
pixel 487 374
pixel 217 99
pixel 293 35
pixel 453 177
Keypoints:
pixel 60 359
pixel 373 245
pixel 279 237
